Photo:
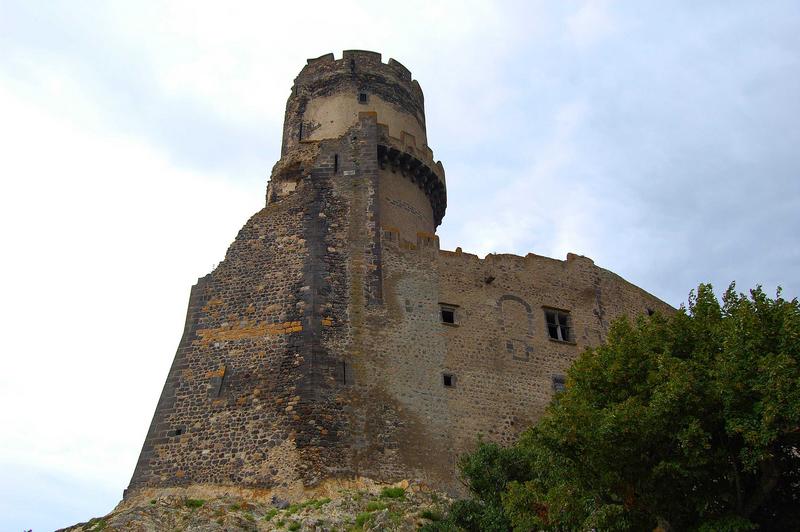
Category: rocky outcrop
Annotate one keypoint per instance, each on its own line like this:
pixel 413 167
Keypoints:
pixel 360 506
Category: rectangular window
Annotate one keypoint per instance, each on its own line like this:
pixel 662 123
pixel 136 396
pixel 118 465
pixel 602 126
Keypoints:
pixel 448 380
pixel 448 313
pixel 558 325
pixel 559 383
pixel 362 97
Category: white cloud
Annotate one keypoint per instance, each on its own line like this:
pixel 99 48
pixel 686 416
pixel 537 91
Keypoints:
pixel 102 239
pixel 123 126
pixel 520 215
pixel 591 23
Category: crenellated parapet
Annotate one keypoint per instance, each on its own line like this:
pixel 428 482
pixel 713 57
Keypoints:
pixel 365 68
pixel 328 94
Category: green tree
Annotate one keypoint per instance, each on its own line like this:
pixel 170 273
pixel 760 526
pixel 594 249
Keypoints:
pixel 687 421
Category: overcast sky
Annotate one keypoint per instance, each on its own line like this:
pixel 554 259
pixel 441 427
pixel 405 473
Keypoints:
pixel 661 139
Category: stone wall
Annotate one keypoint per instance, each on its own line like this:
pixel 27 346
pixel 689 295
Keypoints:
pixel 500 362
pixel 318 350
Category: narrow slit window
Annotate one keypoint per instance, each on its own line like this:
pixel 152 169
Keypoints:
pixel 221 384
pixel 335 163
pixel 300 133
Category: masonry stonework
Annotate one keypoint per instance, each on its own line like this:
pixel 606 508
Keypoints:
pixel 336 340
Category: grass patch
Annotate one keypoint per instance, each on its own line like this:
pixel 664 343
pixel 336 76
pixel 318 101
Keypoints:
pixel 280 523
pixel 235 507
pixel 373 506
pixel 294 525
pixel 152 501
pixel 318 503
pixel 393 493
pixel 293 508
pixel 194 503
pixel 431 515
pixel 98 523
pixel 396 517
pixel 249 516
pixel 270 514
pixel 362 518
pixel 313 503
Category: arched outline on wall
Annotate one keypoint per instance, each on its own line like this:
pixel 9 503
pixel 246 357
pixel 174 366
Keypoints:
pixel 527 348
pixel 523 303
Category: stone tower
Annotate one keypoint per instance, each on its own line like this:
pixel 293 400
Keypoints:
pixel 337 341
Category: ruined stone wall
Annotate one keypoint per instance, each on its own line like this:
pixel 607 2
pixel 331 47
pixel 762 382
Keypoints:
pixel 234 371
pixel 317 348
pixel 498 355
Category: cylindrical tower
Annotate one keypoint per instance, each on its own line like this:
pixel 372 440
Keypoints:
pixel 327 98
pixel 274 384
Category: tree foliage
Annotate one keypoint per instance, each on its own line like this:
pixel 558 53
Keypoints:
pixel 687 421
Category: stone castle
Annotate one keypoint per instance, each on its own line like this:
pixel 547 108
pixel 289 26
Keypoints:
pixel 337 341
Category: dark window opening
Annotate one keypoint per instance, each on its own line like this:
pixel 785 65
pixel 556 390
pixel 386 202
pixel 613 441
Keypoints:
pixel 448 316
pixel 300 133
pixel 510 346
pixel 352 65
pixel 362 97
pixel 344 372
pixel 559 383
pixel 335 163
pixel 178 431
pixel 558 327
pixel 650 311
pixel 448 380
pixel 221 384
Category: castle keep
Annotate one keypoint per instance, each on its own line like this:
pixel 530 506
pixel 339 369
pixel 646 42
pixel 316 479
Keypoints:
pixel 336 340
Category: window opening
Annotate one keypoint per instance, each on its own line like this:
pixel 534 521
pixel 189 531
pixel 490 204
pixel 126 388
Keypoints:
pixel 344 372
pixel 300 134
pixel 448 380
pixel 558 325
pixel 335 163
pixel 448 315
pixel 362 97
pixel 221 384
pixel 559 383
pixel 650 311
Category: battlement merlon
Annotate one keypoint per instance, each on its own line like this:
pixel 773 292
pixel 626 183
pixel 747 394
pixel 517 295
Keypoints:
pixel 328 94
pixel 355 61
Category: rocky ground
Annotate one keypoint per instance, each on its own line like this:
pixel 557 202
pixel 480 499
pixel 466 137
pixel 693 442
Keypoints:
pixel 399 507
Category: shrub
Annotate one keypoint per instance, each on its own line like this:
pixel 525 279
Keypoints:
pixel 393 493
pixel 194 503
